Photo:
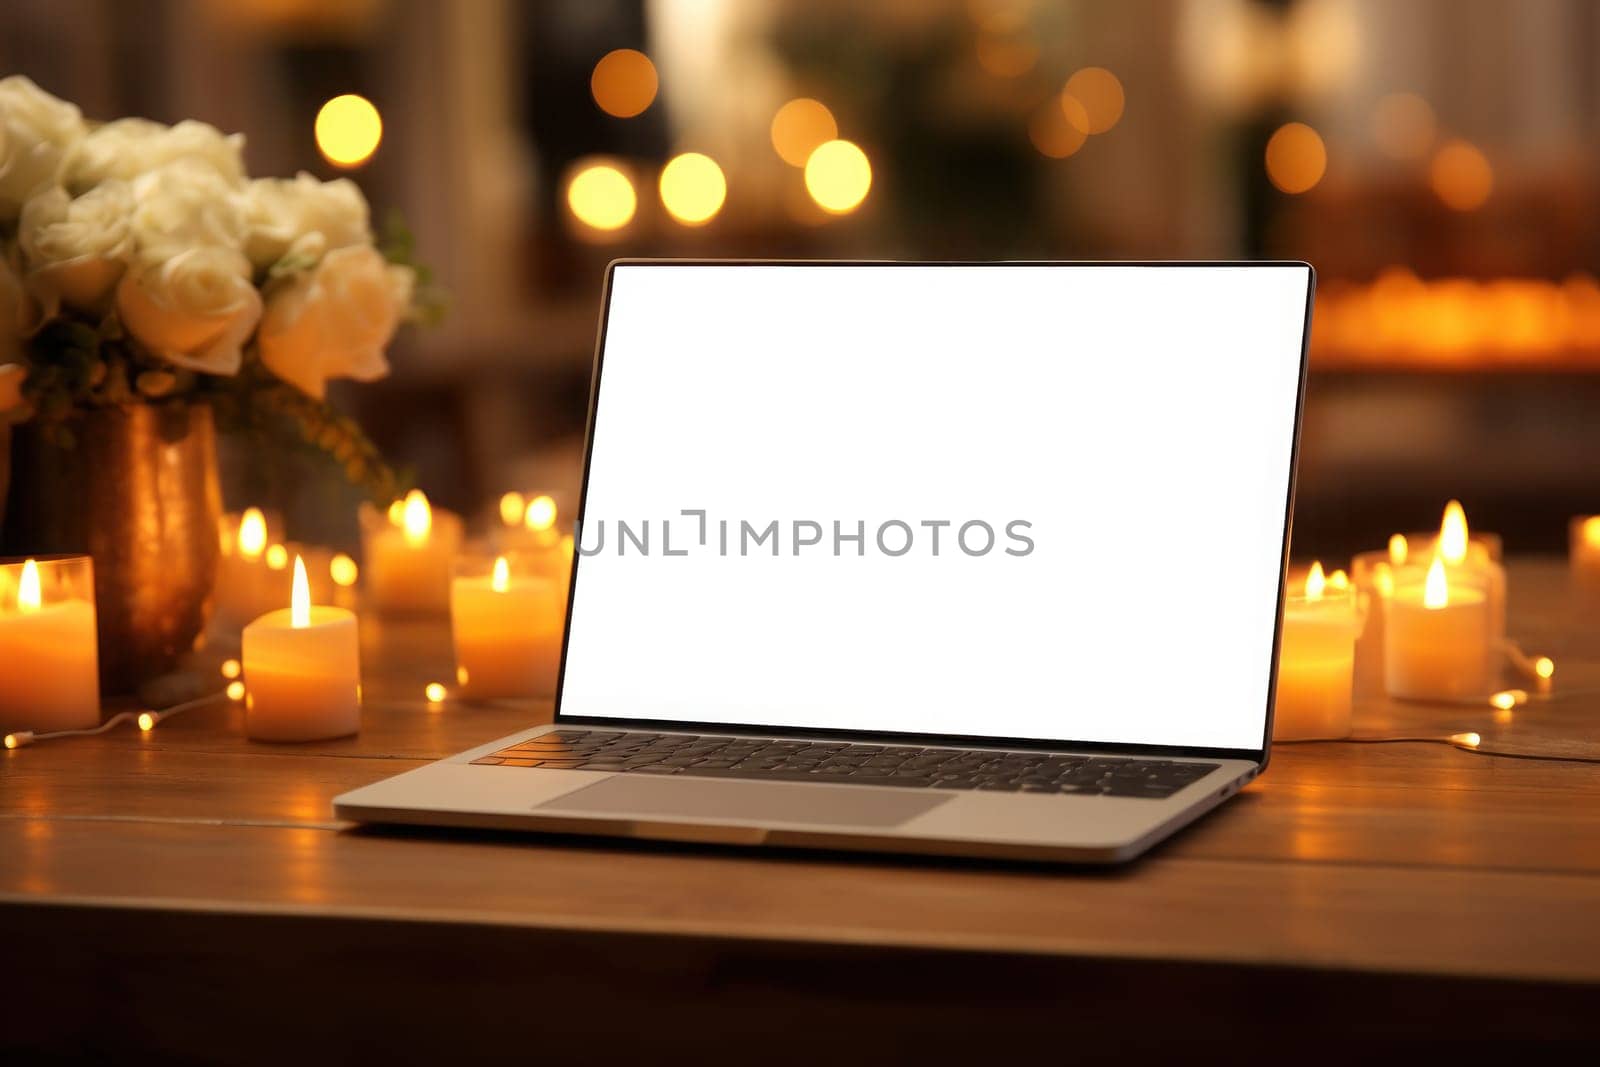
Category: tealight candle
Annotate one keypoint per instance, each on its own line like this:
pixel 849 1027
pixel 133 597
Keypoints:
pixel 409 555
pixel 1315 662
pixel 49 670
pixel 1583 542
pixel 507 620
pixel 1437 635
pixel 302 669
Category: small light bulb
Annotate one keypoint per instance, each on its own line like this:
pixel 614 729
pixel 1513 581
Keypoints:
pixel 235 690
pixel 231 668
pixel 1544 667
pixel 147 721
pixel 20 738
pixel 1467 740
pixel 434 692
pixel 1505 699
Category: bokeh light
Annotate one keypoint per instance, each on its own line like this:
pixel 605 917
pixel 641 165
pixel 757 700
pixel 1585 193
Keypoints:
pixel 342 569
pixel 277 557
pixel 693 188
pixel 1006 57
pixel 511 507
pixel 235 690
pixel 231 668
pixel 1100 93
pixel 1461 176
pixel 1296 157
pixel 348 130
pixel 1059 127
pixel 434 692
pixel 799 127
pixel 601 197
pixel 838 176
pixel 1403 124
pixel 624 83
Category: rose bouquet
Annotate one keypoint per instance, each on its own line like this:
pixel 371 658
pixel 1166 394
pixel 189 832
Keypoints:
pixel 140 265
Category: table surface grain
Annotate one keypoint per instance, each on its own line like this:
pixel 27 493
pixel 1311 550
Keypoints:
pixel 1398 859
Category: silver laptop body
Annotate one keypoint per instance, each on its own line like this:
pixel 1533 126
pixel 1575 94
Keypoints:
pixel 959 559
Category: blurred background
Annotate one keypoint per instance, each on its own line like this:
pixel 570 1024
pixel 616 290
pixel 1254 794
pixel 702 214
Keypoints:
pixel 1436 160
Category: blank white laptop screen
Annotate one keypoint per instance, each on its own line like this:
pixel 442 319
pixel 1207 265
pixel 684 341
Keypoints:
pixel 1012 501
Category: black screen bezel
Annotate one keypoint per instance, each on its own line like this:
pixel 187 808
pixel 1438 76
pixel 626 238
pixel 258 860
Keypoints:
pixel 1259 755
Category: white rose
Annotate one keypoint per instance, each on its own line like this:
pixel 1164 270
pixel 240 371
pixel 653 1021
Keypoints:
pixel 183 205
pixel 127 148
pixel 19 315
pixel 335 320
pixel 282 212
pixel 36 131
pixel 77 249
pixel 194 310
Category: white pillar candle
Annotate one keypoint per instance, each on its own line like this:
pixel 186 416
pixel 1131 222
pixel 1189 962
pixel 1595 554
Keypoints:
pixel 1583 542
pixel 49 666
pixel 246 587
pixel 1437 635
pixel 409 553
pixel 302 670
pixel 507 622
pixel 1315 663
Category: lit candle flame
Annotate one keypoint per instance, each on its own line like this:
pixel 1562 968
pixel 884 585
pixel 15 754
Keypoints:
pixel 1383 578
pixel 416 519
pixel 1315 582
pixel 1398 550
pixel 1339 580
pixel 1436 592
pixel 28 598
pixel 511 508
pixel 300 597
pixel 397 512
pixel 1591 531
pixel 501 580
pixel 342 569
pixel 541 513
pixel 252 533
pixel 1453 534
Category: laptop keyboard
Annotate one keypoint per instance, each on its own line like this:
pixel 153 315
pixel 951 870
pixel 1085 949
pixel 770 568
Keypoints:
pixel 627 752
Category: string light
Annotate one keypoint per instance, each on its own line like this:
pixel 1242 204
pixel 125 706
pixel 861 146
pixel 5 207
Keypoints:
pixel 144 720
pixel 235 691
pixel 434 692
pixel 231 668
pixel 348 130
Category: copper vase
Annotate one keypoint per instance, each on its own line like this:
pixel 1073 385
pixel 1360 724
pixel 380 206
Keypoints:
pixel 138 491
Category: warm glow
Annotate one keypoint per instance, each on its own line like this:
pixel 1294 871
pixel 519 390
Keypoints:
pixel 342 569
pixel 397 512
pixel 462 676
pixel 602 197
pixel 1006 57
pixel 1404 125
pixel 416 519
pixel 541 513
pixel 231 668
pixel 1339 580
pixel 501 580
pixel 1591 531
pixel 235 690
pixel 1100 93
pixel 252 533
pixel 838 176
pixel 277 557
pixel 1315 582
pixel 300 597
pixel 799 127
pixel 1544 667
pixel 1507 699
pixel 1059 127
pixel 624 83
pixel 1436 592
pixel 13 741
pixel 147 721
pixel 29 599
pixel 434 692
pixel 511 506
pixel 1469 739
pixel 1383 578
pixel 1461 176
pixel 1398 550
pixel 1296 158
pixel 693 188
pixel 1453 534
pixel 348 130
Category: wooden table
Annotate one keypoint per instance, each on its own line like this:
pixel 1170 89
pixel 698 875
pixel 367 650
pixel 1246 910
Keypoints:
pixel 188 892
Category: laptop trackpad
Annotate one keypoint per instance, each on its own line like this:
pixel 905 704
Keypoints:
pixel 711 798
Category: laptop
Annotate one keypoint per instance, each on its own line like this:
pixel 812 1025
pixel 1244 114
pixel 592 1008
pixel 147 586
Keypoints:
pixel 959 559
